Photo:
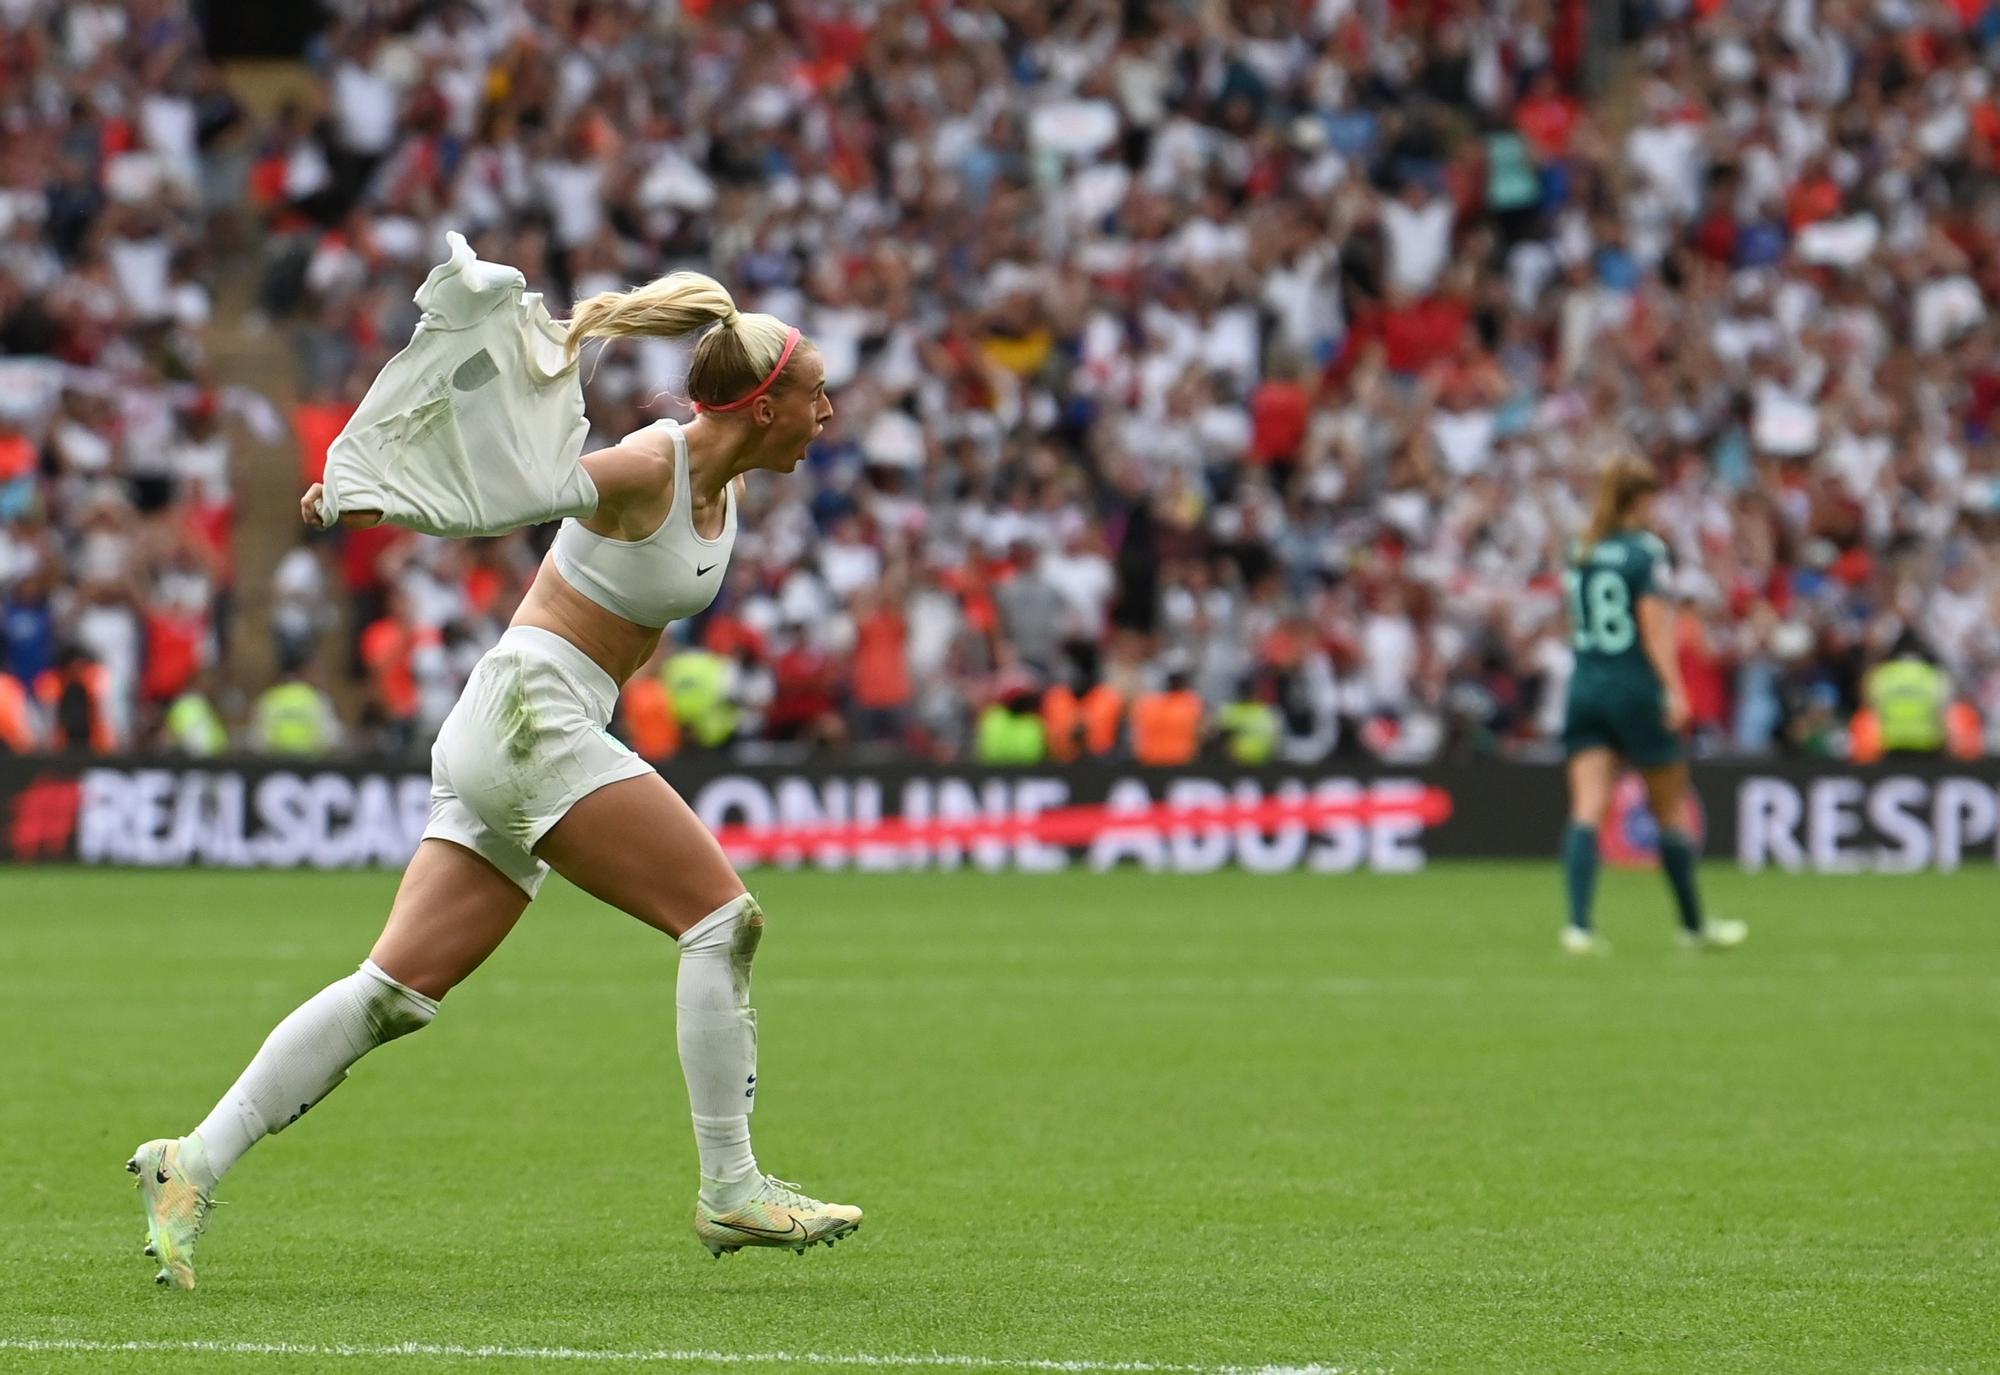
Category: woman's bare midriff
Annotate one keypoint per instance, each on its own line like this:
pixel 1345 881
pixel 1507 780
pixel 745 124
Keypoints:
pixel 616 645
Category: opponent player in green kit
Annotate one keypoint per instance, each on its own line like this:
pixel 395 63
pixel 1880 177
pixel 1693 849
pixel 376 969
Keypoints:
pixel 1626 703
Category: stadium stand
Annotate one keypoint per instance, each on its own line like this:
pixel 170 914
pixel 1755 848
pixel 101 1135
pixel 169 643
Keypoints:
pixel 1234 354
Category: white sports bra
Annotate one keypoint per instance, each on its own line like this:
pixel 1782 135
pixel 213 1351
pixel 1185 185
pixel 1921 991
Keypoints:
pixel 669 575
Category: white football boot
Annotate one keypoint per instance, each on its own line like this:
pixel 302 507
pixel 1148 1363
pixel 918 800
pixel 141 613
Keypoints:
pixel 1577 941
pixel 177 1209
pixel 1717 933
pixel 771 1213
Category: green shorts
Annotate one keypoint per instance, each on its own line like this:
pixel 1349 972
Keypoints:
pixel 1630 719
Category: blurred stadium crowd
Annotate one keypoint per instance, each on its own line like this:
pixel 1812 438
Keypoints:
pixel 1224 374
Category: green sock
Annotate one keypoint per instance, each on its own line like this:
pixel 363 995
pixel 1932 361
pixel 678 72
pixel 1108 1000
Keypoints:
pixel 1580 871
pixel 1677 858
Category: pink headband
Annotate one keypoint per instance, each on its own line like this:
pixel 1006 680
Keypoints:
pixel 791 342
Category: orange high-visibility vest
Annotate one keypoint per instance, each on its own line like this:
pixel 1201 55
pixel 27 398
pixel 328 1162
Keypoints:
pixel 1864 737
pixel 97 684
pixel 1964 735
pixel 1166 727
pixel 17 725
pixel 1103 713
pixel 1062 718
pixel 649 718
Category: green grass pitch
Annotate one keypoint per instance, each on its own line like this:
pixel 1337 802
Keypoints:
pixel 1368 1123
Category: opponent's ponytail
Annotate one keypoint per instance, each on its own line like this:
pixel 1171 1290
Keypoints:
pixel 1625 480
pixel 731 360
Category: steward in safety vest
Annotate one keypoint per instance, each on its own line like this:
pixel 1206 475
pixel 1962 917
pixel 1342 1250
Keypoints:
pixel 76 698
pixel 1167 726
pixel 293 717
pixel 1907 708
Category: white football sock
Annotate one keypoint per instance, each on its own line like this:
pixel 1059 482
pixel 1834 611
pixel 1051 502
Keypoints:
pixel 726 1157
pixel 304 1059
pixel 717 1031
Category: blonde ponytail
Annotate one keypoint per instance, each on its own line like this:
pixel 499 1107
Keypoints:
pixel 1624 481
pixel 730 360
pixel 676 304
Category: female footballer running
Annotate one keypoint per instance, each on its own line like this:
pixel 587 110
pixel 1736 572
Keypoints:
pixel 524 776
pixel 1626 703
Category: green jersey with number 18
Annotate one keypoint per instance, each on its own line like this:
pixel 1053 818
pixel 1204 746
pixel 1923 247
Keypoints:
pixel 1602 586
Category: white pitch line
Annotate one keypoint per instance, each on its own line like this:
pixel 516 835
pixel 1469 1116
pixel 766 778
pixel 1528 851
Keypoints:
pixel 933 1361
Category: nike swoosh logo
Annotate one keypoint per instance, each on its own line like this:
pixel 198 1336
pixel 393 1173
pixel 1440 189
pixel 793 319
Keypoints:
pixel 796 1229
pixel 699 571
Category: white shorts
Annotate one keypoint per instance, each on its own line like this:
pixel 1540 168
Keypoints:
pixel 525 742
